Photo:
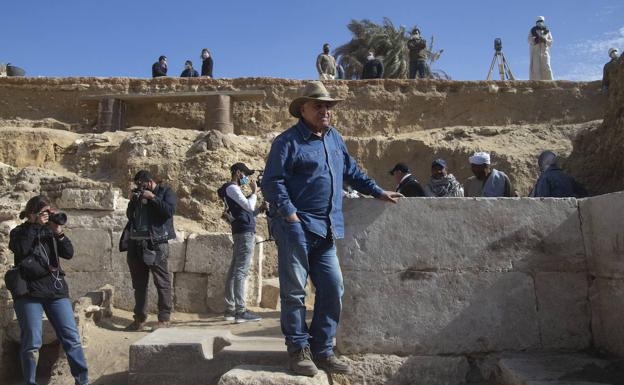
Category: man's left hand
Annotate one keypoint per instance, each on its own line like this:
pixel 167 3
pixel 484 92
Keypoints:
pixel 147 194
pixel 390 196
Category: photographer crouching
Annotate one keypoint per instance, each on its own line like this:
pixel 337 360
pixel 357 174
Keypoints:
pixel 37 285
pixel 150 227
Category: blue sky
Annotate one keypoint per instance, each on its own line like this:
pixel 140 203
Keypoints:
pixel 282 38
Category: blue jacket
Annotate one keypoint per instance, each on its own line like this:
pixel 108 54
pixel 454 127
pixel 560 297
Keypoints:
pixel 161 209
pixel 557 184
pixel 189 73
pixel 305 173
pixel 244 220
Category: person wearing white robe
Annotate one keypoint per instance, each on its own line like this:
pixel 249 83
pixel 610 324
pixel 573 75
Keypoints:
pixel 540 41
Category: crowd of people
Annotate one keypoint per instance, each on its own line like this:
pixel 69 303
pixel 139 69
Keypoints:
pixel 160 68
pixel 487 181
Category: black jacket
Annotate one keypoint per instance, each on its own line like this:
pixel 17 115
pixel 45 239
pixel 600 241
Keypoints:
pixel 244 220
pixel 410 187
pixel 161 209
pixel 189 73
pixel 373 69
pixel 207 67
pixel 159 70
pixel 22 242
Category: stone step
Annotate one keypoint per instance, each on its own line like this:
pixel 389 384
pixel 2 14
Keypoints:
pixel 269 375
pixel 198 356
pixel 554 369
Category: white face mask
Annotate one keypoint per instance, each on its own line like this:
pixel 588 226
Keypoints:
pixel 614 55
pixel 370 56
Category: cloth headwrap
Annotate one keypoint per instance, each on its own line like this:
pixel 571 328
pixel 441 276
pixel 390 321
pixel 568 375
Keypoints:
pixel 479 158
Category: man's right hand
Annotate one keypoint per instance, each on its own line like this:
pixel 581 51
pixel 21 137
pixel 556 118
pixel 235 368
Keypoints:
pixel 293 218
pixel 253 186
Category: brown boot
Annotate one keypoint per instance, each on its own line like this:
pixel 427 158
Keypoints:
pixel 162 325
pixel 301 362
pixel 135 326
pixel 332 364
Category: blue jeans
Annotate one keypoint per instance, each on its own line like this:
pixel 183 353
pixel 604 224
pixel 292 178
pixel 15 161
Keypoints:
pixel 420 68
pixel 301 253
pixel 29 311
pixel 239 268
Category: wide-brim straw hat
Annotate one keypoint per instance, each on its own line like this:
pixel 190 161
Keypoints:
pixel 312 91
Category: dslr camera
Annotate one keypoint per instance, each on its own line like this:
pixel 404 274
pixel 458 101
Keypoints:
pixel 58 217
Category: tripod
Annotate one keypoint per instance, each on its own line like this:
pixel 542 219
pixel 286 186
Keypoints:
pixel 503 66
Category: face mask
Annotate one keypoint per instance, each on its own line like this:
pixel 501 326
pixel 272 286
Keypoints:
pixel 244 180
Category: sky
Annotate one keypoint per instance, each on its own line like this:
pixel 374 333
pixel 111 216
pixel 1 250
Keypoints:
pixel 282 38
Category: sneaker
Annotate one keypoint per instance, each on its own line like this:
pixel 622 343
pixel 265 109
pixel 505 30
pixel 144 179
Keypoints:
pixel 332 364
pixel 135 326
pixel 229 315
pixel 301 362
pixel 246 316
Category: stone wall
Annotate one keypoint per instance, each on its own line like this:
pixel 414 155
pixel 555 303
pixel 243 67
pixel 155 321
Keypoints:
pixel 458 276
pixel 370 107
pixel 603 230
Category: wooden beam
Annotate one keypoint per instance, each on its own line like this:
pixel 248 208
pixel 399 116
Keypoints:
pixel 178 97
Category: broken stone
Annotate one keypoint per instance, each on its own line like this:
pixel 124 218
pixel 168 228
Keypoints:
pixel 269 375
pixel 88 199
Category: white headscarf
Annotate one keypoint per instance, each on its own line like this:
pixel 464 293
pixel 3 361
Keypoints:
pixel 479 158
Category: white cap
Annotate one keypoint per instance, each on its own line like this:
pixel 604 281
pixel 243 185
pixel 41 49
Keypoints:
pixel 540 18
pixel 479 158
pixel 611 50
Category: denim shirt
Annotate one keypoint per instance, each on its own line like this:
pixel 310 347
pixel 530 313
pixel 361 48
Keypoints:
pixel 304 174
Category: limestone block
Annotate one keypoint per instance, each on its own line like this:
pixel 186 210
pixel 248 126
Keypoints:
pixel 437 312
pixel 93 219
pixel 269 375
pixel 208 253
pixel 607 302
pixel 190 292
pixel 463 234
pixel 603 232
pixel 212 254
pixel 83 199
pixel 92 250
pixel 563 310
pixel 270 293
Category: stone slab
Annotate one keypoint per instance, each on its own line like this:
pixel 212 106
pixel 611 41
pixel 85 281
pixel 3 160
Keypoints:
pixel 437 313
pixel 93 219
pixel 181 356
pixel 270 293
pixel 603 231
pixel 269 375
pixel 92 250
pixel 528 369
pixel 88 199
pixel 563 310
pixel 463 234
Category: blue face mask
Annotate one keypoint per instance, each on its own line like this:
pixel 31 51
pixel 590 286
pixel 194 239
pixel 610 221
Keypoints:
pixel 244 180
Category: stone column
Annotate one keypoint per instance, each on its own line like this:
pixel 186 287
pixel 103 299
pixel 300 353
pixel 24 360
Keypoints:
pixel 111 114
pixel 218 114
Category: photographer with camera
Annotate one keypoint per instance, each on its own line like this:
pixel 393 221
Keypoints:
pixel 150 227
pixel 540 41
pixel 240 211
pixel 37 285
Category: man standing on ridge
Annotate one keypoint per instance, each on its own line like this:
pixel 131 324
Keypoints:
pixel 303 180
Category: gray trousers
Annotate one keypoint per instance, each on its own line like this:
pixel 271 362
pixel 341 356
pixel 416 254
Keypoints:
pixel 239 268
pixel 140 272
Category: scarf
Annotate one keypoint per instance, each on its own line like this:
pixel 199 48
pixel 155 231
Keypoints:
pixel 443 187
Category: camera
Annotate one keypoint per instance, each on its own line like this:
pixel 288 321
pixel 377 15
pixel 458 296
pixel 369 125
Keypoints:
pixel 137 192
pixel 260 175
pixel 498 44
pixel 59 218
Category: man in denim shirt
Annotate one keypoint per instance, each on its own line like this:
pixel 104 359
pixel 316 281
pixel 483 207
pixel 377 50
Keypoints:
pixel 303 180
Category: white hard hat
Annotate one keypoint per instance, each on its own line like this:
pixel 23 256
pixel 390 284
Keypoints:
pixel 541 18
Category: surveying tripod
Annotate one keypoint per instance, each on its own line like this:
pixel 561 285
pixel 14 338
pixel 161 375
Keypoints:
pixel 503 66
